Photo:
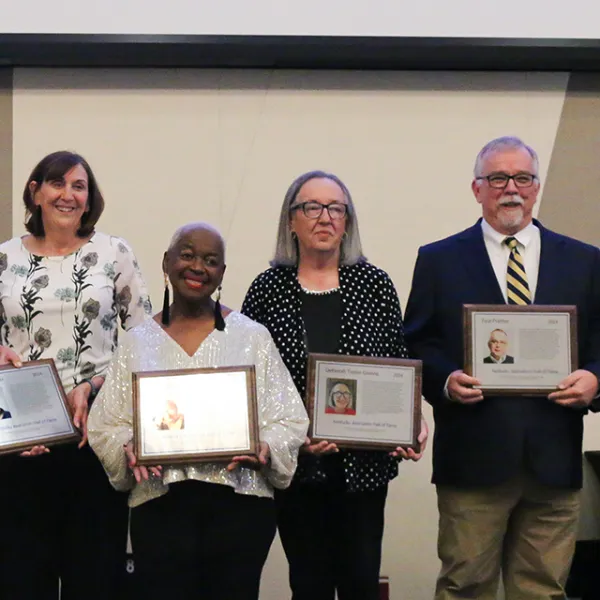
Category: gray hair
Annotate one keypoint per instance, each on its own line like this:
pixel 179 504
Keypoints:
pixel 500 330
pixel 504 143
pixel 184 229
pixel 286 247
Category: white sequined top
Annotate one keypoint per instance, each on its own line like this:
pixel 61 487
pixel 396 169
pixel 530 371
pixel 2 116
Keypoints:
pixel 283 421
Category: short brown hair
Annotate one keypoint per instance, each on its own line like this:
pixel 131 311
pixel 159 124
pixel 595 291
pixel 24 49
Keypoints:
pixel 53 168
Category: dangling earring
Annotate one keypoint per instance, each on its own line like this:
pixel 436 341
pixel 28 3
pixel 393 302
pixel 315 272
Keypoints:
pixel 219 321
pixel 166 313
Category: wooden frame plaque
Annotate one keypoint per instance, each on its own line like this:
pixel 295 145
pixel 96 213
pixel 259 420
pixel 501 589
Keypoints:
pixel 363 402
pixel 194 415
pixel 33 408
pixel 519 349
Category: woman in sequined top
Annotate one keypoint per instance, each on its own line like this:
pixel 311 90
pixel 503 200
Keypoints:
pixel 200 530
pixel 321 295
pixel 65 291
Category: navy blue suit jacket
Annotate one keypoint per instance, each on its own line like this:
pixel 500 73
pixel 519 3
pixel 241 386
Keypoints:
pixel 491 441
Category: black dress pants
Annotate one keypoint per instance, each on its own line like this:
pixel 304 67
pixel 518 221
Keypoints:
pixel 201 541
pixel 332 539
pixel 61 520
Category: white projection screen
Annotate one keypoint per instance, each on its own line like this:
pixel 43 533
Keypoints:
pixel 514 34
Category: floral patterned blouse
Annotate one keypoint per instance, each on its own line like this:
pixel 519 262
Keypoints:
pixel 68 307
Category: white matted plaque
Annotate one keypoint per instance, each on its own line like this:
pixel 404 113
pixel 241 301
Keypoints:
pixel 33 407
pixel 194 415
pixel 520 349
pixel 364 402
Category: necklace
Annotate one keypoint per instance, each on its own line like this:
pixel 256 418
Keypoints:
pixel 320 292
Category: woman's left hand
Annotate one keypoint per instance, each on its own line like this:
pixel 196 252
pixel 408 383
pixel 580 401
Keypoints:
pixel 35 451
pixel 78 399
pixel 410 454
pixel 252 462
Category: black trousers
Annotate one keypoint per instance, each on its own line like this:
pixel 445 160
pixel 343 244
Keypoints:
pixel 201 541
pixel 332 540
pixel 61 519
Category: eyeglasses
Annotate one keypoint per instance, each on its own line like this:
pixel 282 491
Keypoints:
pixel 314 209
pixel 500 180
pixel 340 395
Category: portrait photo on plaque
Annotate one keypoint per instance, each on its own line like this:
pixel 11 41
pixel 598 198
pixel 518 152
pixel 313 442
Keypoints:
pixel 341 396
pixel 194 415
pixel 364 402
pixel 520 349
pixel 33 408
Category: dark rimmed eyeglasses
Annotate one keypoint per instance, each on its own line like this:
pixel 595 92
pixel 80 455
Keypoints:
pixel 500 180
pixel 314 209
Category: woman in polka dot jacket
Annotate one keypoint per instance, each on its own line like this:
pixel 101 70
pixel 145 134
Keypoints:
pixel 321 295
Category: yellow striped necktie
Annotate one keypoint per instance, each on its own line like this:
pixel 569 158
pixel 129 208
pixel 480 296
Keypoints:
pixel 517 288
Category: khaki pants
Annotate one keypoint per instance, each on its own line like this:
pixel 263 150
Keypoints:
pixel 521 529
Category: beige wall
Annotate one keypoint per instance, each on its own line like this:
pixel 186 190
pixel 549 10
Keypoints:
pixel 174 146
pixel 571 206
pixel 6 84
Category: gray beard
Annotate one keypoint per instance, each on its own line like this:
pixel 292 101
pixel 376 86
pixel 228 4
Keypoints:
pixel 511 221
pixel 514 220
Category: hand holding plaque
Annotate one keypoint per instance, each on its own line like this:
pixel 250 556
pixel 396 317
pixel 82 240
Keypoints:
pixel 140 472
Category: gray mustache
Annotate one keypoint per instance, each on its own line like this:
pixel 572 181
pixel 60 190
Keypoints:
pixel 516 200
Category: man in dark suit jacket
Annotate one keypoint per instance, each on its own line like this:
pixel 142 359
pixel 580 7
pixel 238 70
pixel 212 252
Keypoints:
pixel 507 469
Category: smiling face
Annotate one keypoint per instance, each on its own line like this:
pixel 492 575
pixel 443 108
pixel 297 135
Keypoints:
pixel 508 210
pixel 195 264
pixel 498 344
pixel 341 396
pixel 62 201
pixel 322 234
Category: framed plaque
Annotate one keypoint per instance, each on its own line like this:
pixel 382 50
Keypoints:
pixel 364 403
pixel 520 349
pixel 33 407
pixel 194 415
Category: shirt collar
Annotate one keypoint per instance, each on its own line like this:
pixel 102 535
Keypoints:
pixel 524 236
pixel 498 361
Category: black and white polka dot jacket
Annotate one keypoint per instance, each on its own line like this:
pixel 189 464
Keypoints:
pixel 371 325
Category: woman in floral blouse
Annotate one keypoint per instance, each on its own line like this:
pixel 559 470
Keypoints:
pixel 64 290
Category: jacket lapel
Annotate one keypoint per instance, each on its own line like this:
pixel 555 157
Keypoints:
pixel 476 261
pixel 551 265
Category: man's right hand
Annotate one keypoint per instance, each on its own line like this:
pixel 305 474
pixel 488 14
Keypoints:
pixel 9 357
pixel 460 388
